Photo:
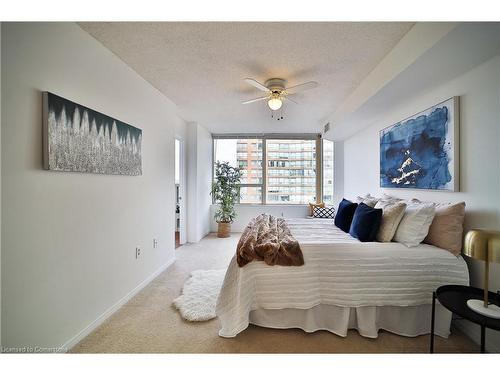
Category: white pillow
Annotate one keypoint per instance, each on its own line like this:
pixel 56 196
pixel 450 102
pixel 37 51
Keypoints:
pixel 368 200
pixel 415 223
pixel 390 198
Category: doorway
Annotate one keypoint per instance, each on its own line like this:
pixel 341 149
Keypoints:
pixel 180 211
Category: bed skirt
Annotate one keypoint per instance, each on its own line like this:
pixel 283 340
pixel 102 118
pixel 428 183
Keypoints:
pixel 405 321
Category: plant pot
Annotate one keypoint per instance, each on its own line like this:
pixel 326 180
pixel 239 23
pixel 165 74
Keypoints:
pixel 224 230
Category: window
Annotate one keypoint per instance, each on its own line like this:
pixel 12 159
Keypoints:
pixel 291 171
pixel 247 155
pixel 279 169
pixel 327 171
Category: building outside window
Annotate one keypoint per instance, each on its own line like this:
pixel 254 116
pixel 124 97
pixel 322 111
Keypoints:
pixel 289 161
pixel 328 159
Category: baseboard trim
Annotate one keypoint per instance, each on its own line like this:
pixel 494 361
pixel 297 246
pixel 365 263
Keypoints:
pixel 92 326
pixel 472 331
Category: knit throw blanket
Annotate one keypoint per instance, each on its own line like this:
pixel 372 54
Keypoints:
pixel 269 239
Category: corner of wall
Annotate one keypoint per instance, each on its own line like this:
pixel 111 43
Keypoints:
pixel 205 155
pixel 192 201
pixel 199 181
pixel 338 171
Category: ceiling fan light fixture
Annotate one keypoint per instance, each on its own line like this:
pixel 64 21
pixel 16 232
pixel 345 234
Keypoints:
pixel 275 103
pixel 276 91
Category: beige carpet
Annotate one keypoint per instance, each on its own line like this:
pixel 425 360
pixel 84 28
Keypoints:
pixel 150 324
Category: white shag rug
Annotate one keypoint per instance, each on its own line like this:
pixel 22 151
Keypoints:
pixel 199 295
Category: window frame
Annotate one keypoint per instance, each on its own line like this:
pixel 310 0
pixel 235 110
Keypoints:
pixel 323 169
pixel 264 137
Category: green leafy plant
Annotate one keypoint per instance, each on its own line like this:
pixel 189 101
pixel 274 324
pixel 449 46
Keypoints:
pixel 226 191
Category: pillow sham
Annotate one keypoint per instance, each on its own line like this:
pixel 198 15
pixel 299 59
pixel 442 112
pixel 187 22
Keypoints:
pixel 324 212
pixel 392 198
pixel 446 230
pixel 345 213
pixel 368 200
pixel 392 213
pixel 312 205
pixel 365 223
pixel 415 223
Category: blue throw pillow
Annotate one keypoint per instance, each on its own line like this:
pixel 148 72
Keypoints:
pixel 345 214
pixel 365 223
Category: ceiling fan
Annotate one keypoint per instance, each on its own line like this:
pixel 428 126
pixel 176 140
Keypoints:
pixel 276 91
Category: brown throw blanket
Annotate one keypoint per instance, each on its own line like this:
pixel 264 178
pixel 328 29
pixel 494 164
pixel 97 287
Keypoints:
pixel 269 239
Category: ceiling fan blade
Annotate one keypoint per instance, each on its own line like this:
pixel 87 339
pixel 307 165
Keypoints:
pixel 302 87
pixel 255 100
pixel 256 84
pixel 293 101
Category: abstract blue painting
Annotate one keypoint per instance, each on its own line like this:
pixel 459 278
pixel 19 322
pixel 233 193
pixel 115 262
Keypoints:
pixel 421 152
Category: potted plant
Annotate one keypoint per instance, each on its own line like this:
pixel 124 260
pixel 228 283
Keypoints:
pixel 226 193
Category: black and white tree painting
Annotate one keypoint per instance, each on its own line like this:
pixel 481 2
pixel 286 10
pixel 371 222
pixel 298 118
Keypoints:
pixel 79 139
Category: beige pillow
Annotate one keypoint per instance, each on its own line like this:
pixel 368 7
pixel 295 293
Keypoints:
pixel 446 230
pixel 313 205
pixel 392 213
pixel 368 200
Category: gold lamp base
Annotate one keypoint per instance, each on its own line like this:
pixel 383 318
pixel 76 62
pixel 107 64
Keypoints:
pixel 492 311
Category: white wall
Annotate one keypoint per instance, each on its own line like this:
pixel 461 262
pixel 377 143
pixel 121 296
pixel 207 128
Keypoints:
pixel 181 133
pixel 204 181
pixel 338 172
pixel 246 212
pixel 199 181
pixel 479 91
pixel 192 194
pixel 68 239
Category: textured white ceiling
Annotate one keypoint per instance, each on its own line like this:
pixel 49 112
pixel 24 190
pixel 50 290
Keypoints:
pixel 201 66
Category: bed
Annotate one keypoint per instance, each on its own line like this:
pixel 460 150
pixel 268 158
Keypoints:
pixel 344 284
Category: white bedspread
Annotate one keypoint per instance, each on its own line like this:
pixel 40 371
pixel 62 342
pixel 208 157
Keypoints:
pixel 339 270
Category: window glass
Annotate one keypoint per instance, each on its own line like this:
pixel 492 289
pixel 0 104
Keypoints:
pixel 291 171
pixel 251 194
pixel 245 154
pixel 327 171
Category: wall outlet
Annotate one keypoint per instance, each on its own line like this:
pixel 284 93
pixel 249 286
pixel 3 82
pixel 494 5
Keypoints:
pixel 137 252
pixel 155 243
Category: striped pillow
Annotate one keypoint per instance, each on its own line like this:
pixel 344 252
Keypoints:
pixel 324 212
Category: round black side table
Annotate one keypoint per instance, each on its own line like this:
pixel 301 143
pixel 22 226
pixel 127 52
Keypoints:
pixel 454 298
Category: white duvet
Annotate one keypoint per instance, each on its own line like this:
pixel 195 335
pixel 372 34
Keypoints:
pixel 339 270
